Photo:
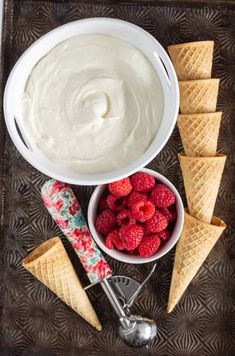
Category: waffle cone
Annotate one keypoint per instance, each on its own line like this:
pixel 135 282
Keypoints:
pixel 192 60
pixel 202 176
pixel 50 264
pixel 199 133
pixel 198 96
pixel 195 243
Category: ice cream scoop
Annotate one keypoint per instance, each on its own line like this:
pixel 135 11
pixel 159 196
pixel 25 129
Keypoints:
pixel 121 291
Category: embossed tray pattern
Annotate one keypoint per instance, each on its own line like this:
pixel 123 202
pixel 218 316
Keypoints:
pixel 33 321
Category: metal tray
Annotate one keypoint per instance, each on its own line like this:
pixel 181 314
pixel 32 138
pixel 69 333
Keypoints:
pixel 33 321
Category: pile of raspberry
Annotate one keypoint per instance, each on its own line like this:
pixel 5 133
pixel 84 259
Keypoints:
pixel 136 215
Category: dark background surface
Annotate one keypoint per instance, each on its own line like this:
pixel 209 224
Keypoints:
pixel 33 321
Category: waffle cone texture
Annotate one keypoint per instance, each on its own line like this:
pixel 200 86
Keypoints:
pixel 199 133
pixel 202 176
pixel 195 243
pixel 192 60
pixel 198 96
pixel 50 264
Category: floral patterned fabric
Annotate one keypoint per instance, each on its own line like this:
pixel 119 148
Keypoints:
pixel 65 210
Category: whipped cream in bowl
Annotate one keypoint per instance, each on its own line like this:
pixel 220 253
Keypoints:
pixel 92 101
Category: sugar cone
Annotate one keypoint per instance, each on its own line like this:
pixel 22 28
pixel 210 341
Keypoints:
pixel 50 264
pixel 198 96
pixel 199 133
pixel 195 243
pixel 202 176
pixel 192 60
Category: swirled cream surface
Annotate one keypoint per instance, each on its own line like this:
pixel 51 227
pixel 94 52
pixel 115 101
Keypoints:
pixel 93 103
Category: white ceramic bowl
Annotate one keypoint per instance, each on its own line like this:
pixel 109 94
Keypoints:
pixel 17 80
pixel 124 257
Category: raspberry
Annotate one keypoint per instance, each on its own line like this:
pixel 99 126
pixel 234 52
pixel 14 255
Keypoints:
pixel 109 241
pixel 131 236
pixel 116 203
pixel 162 196
pixel 142 182
pixel 103 203
pixel 121 188
pixel 113 240
pixel 119 244
pixel 157 223
pixel 170 215
pixel 125 218
pixel 134 197
pixel 164 235
pixel 149 245
pixel 105 221
pixel 142 210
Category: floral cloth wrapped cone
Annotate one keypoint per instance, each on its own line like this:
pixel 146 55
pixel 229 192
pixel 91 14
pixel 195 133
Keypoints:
pixel 196 241
pixel 50 264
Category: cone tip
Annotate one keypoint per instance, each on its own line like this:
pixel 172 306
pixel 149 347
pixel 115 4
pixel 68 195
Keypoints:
pixel 98 327
pixel 170 306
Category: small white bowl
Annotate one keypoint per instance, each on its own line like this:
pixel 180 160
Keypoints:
pixel 17 80
pixel 122 256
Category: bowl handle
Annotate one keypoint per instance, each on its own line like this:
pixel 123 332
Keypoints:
pixel 21 134
pixel 17 133
pixel 167 68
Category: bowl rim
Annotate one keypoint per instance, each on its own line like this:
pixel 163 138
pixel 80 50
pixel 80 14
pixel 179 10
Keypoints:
pixel 120 256
pixel 48 167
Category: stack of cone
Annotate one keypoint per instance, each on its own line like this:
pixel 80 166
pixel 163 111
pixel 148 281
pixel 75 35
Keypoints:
pixel 50 264
pixel 202 168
